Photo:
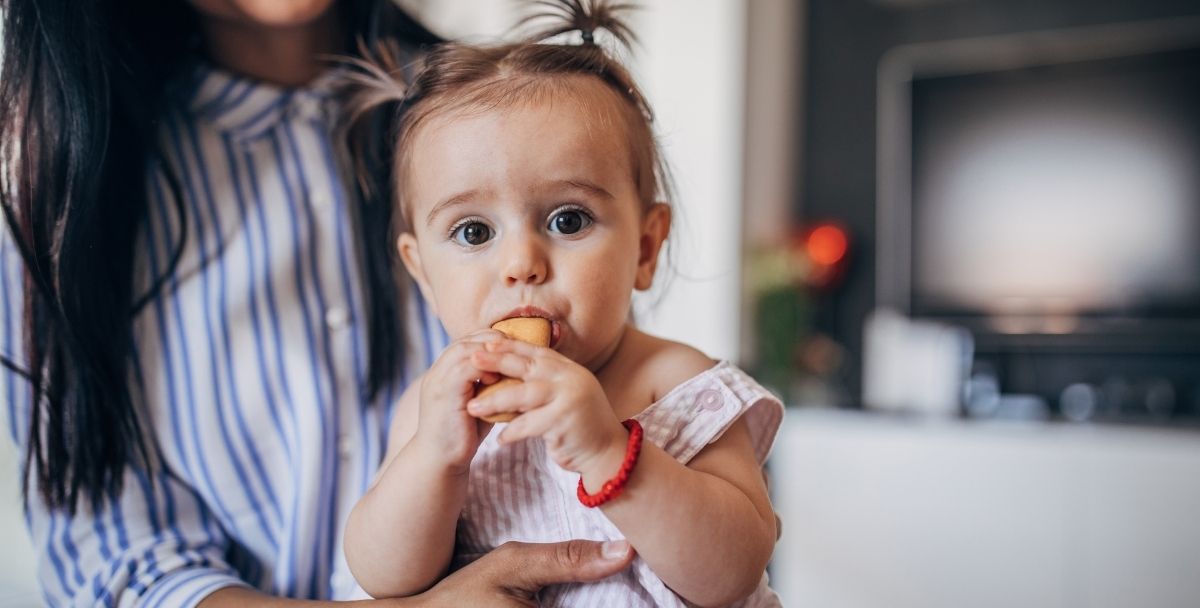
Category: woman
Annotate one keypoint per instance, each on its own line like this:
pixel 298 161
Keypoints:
pixel 205 310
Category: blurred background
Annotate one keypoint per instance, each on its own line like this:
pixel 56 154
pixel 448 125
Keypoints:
pixel 961 240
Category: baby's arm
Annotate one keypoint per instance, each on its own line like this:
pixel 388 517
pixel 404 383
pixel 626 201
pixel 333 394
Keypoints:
pixel 400 535
pixel 706 529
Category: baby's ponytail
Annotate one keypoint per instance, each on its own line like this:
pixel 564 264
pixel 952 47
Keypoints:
pixel 585 16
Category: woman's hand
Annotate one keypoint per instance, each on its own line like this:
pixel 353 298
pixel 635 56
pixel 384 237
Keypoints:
pixel 559 401
pixel 445 433
pixel 511 575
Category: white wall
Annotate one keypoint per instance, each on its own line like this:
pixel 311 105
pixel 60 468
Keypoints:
pixel 692 68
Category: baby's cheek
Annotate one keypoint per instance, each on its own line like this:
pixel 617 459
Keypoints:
pixel 460 305
pixel 458 323
pixel 609 316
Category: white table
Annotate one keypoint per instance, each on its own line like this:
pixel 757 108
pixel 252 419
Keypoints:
pixel 880 511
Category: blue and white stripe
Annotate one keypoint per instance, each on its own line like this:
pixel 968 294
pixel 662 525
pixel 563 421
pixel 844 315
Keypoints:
pixel 251 364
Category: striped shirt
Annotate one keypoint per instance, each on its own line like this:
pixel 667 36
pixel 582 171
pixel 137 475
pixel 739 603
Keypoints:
pixel 251 366
pixel 517 492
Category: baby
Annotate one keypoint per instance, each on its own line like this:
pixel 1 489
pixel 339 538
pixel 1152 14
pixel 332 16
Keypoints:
pixel 529 180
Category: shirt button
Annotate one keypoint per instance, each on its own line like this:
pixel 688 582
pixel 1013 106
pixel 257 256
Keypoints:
pixel 710 399
pixel 321 201
pixel 345 449
pixel 337 318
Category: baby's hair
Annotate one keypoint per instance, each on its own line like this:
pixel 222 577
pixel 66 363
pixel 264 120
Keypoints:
pixel 585 17
pixel 452 77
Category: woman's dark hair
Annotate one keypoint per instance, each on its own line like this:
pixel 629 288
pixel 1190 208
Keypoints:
pixel 78 84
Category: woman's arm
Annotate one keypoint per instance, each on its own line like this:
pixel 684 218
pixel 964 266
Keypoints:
pixel 511 575
pixel 400 535
pixel 155 542
pixel 151 545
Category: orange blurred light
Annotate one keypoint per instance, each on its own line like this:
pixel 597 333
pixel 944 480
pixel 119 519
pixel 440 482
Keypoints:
pixel 826 245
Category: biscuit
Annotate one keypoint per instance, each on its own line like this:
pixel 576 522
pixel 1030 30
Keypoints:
pixel 532 330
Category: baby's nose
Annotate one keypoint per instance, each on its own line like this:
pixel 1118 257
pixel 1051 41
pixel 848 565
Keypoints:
pixel 525 263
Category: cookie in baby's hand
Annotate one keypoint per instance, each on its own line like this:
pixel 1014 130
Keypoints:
pixel 532 330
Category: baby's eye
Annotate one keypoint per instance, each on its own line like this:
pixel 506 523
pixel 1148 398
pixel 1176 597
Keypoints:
pixel 569 221
pixel 471 233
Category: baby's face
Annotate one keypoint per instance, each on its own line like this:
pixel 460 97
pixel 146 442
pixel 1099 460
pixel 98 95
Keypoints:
pixel 532 210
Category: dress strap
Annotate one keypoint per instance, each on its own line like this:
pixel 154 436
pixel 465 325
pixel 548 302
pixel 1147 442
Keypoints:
pixel 696 413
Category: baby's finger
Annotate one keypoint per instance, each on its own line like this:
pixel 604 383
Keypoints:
pixel 462 350
pixel 456 353
pixel 483 379
pixel 516 398
pixel 508 345
pixel 478 339
pixel 534 423
pixel 456 371
pixel 481 336
pixel 513 365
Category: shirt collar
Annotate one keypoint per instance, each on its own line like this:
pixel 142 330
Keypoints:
pixel 246 108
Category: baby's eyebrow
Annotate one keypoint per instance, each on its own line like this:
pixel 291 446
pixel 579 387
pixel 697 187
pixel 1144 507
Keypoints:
pixel 581 184
pixel 457 199
pixel 548 186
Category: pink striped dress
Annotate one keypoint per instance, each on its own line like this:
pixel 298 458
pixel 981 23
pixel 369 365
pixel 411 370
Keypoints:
pixel 517 492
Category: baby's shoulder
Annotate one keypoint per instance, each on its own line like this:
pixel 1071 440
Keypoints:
pixel 665 364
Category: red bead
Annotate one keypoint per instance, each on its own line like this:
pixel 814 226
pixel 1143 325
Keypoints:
pixel 612 488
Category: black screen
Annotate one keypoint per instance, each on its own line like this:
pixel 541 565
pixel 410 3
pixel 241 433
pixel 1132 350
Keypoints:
pixel 1071 189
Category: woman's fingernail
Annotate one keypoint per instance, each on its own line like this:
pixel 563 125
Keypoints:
pixel 614 549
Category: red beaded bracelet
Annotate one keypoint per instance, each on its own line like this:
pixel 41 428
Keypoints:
pixel 612 488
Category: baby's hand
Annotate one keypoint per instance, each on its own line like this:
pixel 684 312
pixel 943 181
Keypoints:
pixel 446 434
pixel 558 400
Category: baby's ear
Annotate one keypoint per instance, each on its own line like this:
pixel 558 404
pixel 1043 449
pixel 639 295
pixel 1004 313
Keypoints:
pixel 656 226
pixel 406 245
